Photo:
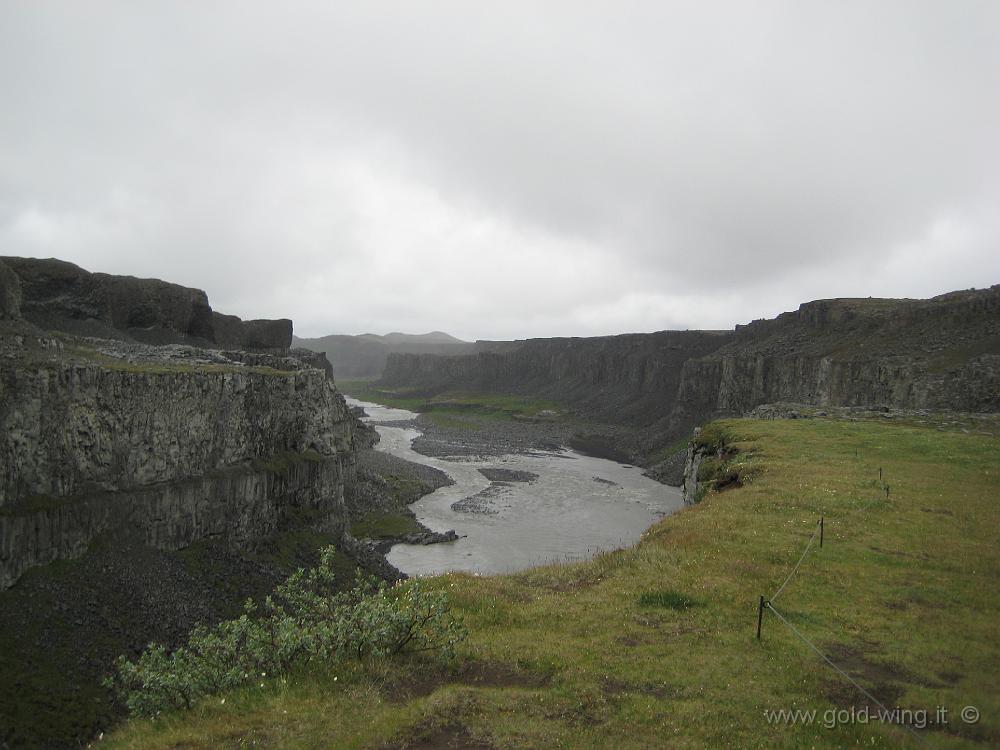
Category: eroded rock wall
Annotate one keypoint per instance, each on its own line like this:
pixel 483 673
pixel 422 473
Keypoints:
pixel 242 504
pixel 166 443
pixel 938 354
pixel 71 428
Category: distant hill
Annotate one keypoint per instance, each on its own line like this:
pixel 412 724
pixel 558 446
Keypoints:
pixel 434 337
pixel 364 356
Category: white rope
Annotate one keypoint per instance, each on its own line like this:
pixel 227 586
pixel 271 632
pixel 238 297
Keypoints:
pixel 824 657
pixel 803 557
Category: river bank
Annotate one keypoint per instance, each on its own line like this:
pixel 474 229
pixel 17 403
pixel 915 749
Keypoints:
pixel 518 498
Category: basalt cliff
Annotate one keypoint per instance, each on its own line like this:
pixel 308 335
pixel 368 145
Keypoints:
pixel 170 443
pixel 936 354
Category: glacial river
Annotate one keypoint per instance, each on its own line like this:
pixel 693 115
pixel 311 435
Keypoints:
pixel 577 507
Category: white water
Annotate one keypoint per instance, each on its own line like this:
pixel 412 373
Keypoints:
pixel 563 515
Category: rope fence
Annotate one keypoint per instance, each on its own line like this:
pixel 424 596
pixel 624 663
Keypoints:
pixel 768 604
pixel 805 552
pixel 886 711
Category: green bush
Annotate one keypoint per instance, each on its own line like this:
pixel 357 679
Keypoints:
pixel 709 468
pixel 713 438
pixel 307 620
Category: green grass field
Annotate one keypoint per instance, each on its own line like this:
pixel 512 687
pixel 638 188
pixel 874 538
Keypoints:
pixel 653 646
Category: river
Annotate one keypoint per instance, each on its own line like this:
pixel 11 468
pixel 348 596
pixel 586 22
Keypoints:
pixel 577 506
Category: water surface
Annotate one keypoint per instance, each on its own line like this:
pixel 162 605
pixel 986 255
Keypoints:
pixel 578 506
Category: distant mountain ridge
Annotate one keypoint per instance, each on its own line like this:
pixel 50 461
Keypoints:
pixel 365 355
pixel 396 338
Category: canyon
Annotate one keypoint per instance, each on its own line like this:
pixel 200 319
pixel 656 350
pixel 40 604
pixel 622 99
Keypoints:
pixel 160 460
pixel 936 354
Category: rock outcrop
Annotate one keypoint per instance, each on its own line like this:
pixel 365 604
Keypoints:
pixel 271 336
pixel 60 296
pixel 313 359
pixel 942 353
pixel 692 464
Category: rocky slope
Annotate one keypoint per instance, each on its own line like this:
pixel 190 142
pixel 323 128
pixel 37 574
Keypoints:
pixel 941 353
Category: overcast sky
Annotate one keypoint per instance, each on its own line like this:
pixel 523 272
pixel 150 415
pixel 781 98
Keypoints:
pixel 504 170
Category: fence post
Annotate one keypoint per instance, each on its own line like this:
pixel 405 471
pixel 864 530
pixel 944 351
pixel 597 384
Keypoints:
pixel 880 473
pixel 760 615
pixel 821 531
pixel 887 492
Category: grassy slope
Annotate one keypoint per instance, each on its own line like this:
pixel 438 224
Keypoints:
pixel 605 654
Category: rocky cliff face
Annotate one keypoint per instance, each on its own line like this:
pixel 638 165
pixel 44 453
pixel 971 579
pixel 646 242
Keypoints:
pixel 172 444
pixel 629 378
pixel 59 296
pixel 942 353
pixel 692 463
pixel 69 428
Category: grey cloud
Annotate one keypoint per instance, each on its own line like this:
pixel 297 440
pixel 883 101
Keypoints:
pixel 511 170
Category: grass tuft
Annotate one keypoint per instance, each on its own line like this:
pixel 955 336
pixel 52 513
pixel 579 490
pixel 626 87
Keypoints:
pixel 666 600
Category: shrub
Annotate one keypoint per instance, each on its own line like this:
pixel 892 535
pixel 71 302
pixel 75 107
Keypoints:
pixel 306 620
